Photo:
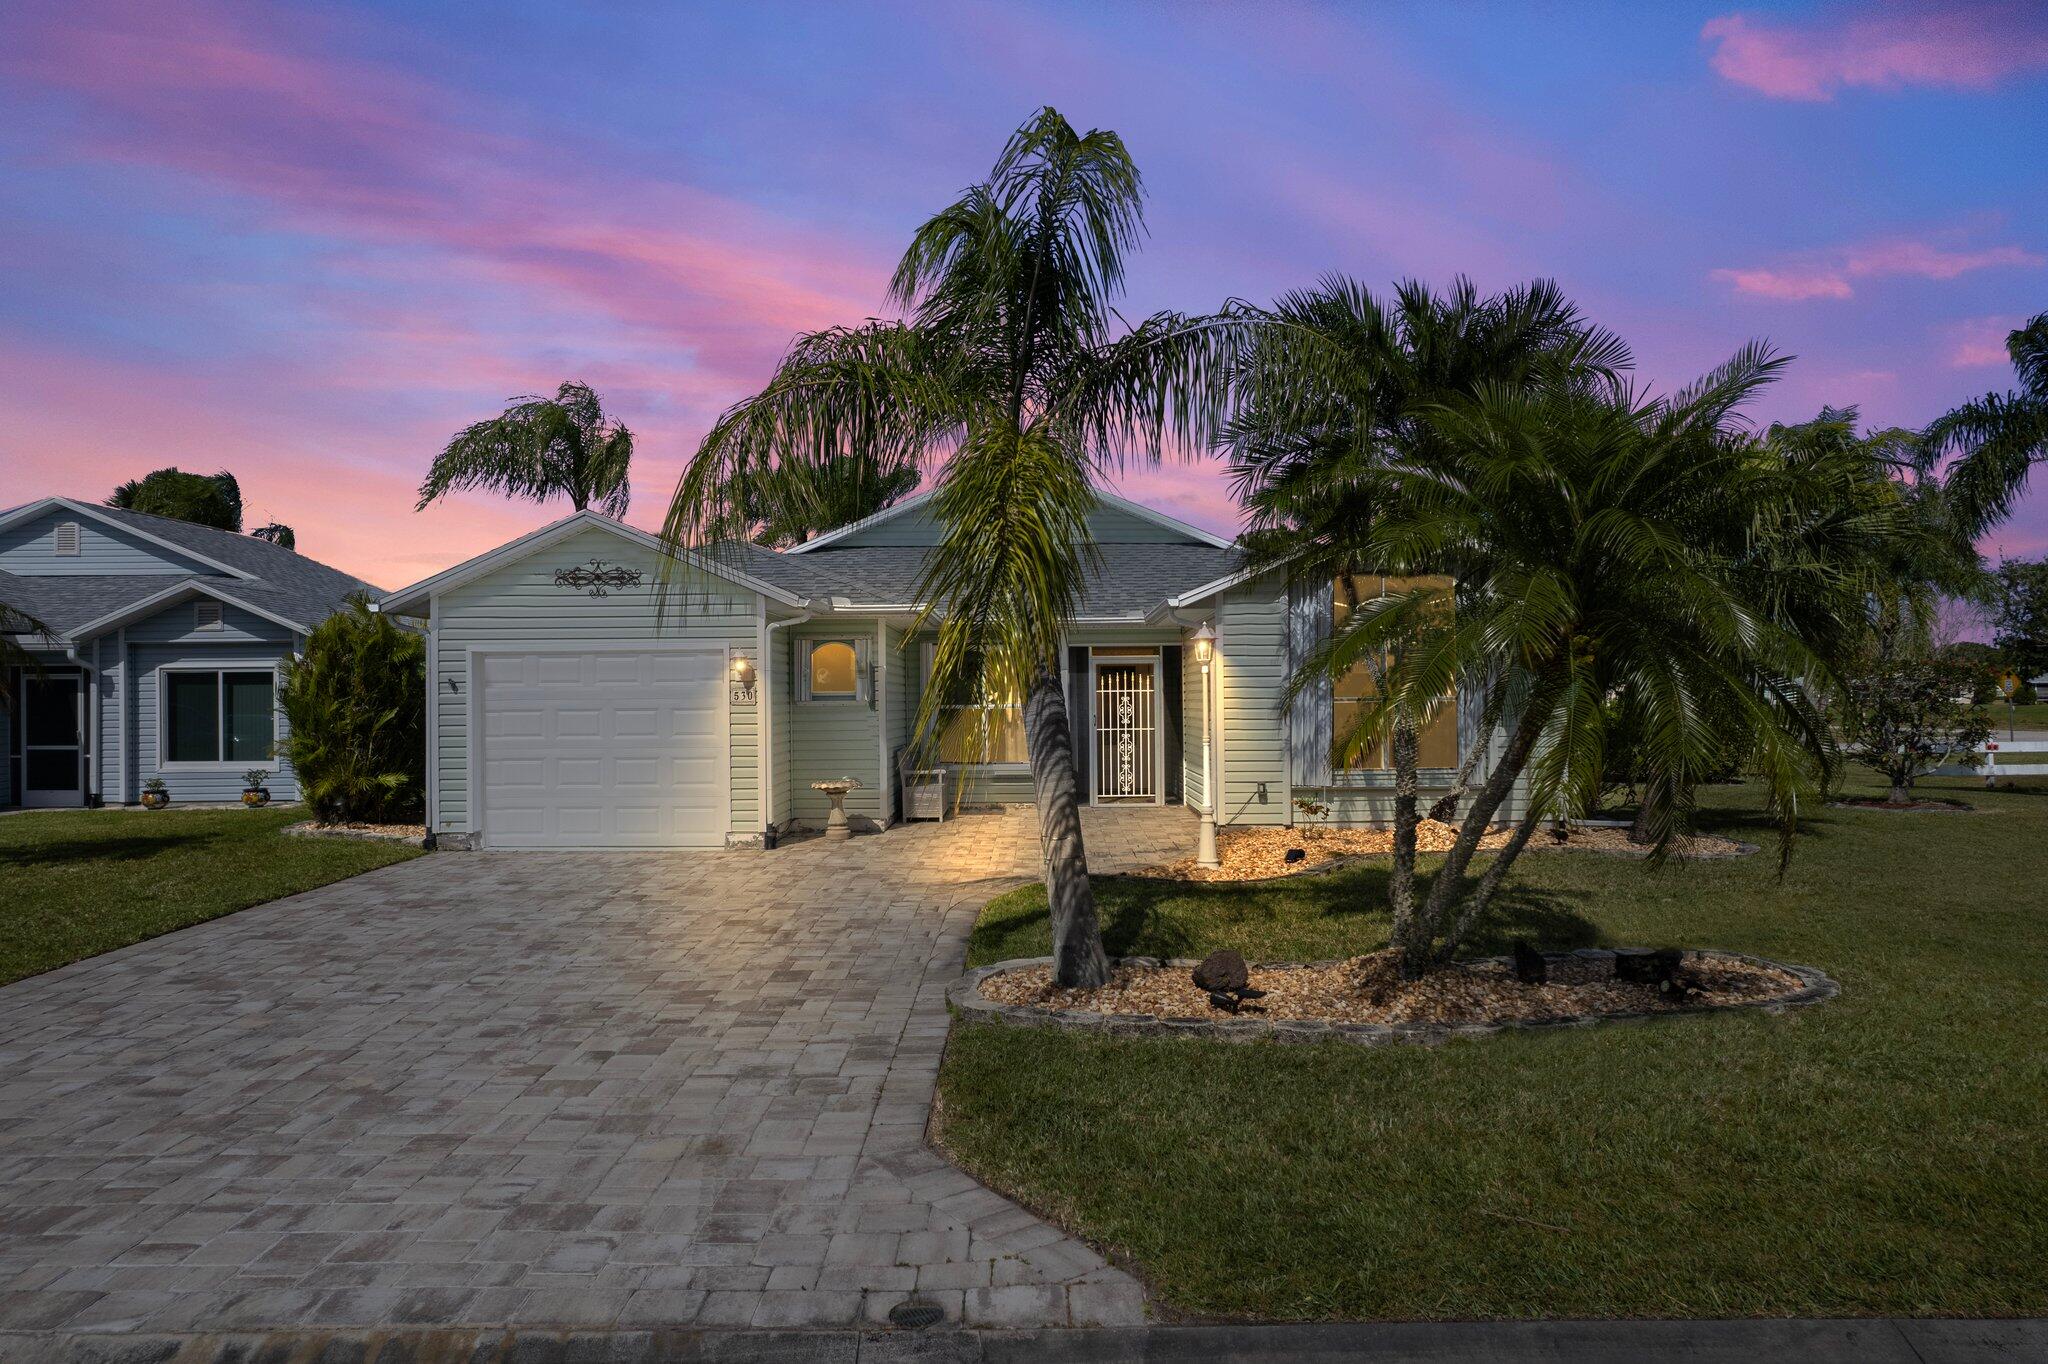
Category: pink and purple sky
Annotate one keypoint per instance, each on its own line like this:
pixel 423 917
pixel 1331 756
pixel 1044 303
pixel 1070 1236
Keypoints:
pixel 307 243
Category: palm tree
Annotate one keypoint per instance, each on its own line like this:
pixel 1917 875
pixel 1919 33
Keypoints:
pixel 539 448
pixel 12 656
pixel 1604 546
pixel 203 499
pixel 1008 381
pixel 2000 436
pixel 1339 383
pixel 803 504
pixel 277 533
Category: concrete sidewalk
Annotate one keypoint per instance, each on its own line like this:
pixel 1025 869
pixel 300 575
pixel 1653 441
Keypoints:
pixel 1864 1341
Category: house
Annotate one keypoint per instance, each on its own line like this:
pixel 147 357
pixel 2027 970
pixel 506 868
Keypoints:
pixel 580 698
pixel 161 658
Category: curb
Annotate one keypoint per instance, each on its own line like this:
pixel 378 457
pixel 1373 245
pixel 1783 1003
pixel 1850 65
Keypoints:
pixel 1874 1340
pixel 965 996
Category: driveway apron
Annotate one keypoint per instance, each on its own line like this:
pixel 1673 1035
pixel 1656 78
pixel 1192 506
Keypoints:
pixel 571 1090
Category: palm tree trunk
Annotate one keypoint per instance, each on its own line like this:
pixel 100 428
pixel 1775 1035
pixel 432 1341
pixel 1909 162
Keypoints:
pixel 1077 953
pixel 1639 831
pixel 1401 888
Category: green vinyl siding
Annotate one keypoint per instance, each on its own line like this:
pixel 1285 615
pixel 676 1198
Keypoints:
pixel 1192 791
pixel 1251 628
pixel 519 603
pixel 835 738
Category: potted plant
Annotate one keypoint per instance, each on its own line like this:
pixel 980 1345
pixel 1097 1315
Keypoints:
pixel 155 795
pixel 254 792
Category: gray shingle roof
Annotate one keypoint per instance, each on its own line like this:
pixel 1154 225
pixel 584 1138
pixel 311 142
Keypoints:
pixel 1133 579
pixel 283 583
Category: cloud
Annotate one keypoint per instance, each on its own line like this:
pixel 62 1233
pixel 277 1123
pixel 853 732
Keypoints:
pixel 1958 47
pixel 1829 275
pixel 1979 342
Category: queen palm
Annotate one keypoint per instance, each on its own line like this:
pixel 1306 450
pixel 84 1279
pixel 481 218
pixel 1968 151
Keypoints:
pixel 538 448
pixel 1339 382
pixel 2000 436
pixel 1010 382
pixel 850 488
pixel 1604 545
pixel 14 621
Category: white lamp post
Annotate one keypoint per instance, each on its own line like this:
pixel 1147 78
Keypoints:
pixel 1205 836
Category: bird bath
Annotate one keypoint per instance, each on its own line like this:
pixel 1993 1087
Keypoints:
pixel 836 828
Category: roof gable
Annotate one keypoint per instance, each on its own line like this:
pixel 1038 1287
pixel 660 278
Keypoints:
pixel 102 547
pixel 409 600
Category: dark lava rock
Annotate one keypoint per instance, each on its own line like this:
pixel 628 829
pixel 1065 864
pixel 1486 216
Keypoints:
pixel 1529 966
pixel 1223 972
pixel 1648 968
pixel 1295 855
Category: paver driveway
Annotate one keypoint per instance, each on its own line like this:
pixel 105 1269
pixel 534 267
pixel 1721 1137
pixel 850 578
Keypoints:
pixel 539 1089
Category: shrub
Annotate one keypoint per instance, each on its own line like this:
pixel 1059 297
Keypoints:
pixel 356 701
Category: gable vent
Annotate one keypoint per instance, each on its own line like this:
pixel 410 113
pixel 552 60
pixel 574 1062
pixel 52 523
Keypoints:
pixel 67 539
pixel 206 615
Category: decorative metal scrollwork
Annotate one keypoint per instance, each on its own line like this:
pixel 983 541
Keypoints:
pixel 596 578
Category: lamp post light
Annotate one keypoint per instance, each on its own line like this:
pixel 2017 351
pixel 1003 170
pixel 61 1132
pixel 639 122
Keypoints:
pixel 1205 835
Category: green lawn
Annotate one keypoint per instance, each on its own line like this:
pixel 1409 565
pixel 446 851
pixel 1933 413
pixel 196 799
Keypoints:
pixel 1882 1153
pixel 2034 717
pixel 75 883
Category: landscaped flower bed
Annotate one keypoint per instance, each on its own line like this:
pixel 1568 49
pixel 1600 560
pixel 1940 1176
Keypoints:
pixel 1365 998
pixel 1252 854
pixel 398 833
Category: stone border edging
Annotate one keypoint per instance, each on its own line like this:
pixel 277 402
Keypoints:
pixel 312 829
pixel 965 996
pixel 1348 860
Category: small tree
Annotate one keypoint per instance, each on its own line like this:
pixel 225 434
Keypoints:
pixel 356 701
pixel 1907 707
pixel 203 499
pixel 2019 614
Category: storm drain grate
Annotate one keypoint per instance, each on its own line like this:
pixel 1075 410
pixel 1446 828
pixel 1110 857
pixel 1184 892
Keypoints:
pixel 915 1316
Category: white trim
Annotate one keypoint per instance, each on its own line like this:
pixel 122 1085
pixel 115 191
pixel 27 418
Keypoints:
pixel 886 804
pixel 473 738
pixel 1125 505
pixel 93 783
pixel 764 758
pixel 30 510
pixel 121 710
pixel 206 666
pixel 170 596
pixel 533 541
pixel 433 720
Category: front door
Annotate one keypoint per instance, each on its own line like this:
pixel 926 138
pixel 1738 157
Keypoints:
pixel 1127 756
pixel 52 740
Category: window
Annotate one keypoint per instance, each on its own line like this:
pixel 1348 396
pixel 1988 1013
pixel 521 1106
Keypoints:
pixel 1357 688
pixel 990 731
pixel 218 717
pixel 833 670
pixel 65 543
pixel 206 615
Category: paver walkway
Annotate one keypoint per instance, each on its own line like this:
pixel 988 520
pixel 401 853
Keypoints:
pixel 534 1089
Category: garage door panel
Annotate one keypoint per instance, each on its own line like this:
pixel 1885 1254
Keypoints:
pixel 604 749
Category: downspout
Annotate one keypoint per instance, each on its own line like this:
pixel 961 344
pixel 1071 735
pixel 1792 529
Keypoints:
pixel 121 714
pixel 768 629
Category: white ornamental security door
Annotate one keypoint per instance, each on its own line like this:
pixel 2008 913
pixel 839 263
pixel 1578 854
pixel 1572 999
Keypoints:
pixel 1126 732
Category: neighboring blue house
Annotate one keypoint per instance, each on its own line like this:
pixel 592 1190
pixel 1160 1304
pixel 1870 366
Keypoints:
pixel 161 658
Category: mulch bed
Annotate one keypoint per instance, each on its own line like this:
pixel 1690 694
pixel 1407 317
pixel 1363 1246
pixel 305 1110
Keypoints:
pixel 397 833
pixel 1369 989
pixel 1260 852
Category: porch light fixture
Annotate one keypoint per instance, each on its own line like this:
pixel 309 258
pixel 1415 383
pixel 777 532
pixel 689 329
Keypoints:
pixel 1205 643
pixel 742 669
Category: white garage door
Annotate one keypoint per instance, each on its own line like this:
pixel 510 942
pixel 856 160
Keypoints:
pixel 604 750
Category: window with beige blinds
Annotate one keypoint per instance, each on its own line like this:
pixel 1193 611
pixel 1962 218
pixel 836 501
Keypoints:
pixel 1358 686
